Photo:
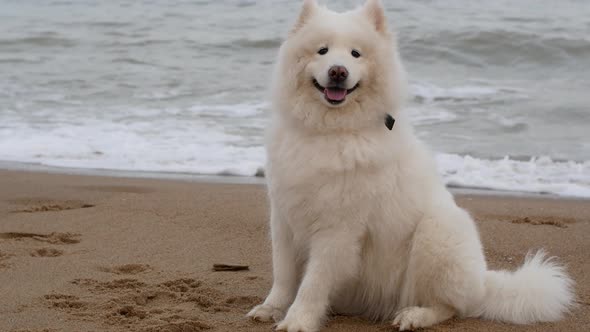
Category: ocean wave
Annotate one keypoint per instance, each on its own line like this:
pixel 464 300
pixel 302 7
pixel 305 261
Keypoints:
pixel 509 125
pixel 259 43
pixel 21 61
pixel 136 43
pixel 96 24
pixel 231 111
pixel 426 116
pixel 269 43
pixel 161 95
pixel 425 92
pixel 536 175
pixel 132 61
pixel 108 24
pixel 44 40
pixel 181 144
pixel 500 47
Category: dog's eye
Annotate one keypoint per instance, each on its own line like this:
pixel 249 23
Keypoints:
pixel 323 51
pixel 355 54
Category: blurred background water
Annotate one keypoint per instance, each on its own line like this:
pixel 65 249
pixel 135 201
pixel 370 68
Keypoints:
pixel 498 88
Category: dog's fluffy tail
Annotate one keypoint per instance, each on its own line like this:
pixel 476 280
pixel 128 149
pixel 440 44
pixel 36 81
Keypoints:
pixel 539 291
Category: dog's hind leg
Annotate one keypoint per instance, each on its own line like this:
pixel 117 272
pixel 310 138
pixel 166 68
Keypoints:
pixel 412 318
pixel 285 274
pixel 334 258
pixel 445 270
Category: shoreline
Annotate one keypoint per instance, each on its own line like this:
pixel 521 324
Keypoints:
pixel 236 179
pixel 181 176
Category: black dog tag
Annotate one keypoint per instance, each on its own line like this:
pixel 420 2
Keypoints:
pixel 389 121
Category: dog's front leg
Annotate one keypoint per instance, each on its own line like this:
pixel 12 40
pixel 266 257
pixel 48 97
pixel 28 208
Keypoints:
pixel 333 258
pixel 285 274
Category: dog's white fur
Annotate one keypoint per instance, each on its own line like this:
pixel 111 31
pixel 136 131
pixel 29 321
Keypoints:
pixel 361 223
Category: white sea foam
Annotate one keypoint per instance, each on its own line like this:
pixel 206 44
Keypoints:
pixel 208 150
pixel 237 110
pixel 123 147
pixel 227 140
pixel 426 116
pixel 430 92
pixel 537 175
pixel 159 140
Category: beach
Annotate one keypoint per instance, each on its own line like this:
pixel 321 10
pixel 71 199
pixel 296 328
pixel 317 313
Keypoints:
pixel 97 253
pixel 132 140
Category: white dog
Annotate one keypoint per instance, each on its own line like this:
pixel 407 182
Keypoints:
pixel 361 222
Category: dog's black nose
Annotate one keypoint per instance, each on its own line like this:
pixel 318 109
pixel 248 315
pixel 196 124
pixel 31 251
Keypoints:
pixel 338 73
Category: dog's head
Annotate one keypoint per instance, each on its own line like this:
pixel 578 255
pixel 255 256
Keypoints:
pixel 338 70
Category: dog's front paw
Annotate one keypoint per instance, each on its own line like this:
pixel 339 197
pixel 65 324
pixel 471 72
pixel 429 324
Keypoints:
pixel 300 321
pixel 409 319
pixel 266 313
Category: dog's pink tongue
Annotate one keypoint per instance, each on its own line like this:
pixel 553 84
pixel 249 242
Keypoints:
pixel 335 94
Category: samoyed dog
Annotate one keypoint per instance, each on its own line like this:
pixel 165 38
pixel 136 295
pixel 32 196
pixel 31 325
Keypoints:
pixel 361 222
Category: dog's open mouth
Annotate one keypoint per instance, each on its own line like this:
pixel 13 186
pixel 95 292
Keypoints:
pixel 334 95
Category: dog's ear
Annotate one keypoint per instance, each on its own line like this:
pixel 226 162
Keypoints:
pixel 307 11
pixel 373 9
